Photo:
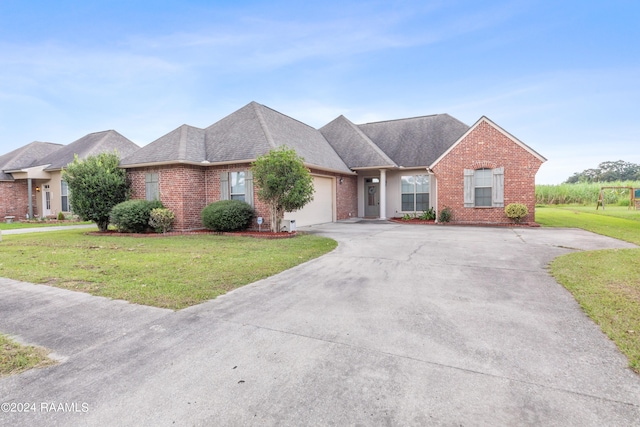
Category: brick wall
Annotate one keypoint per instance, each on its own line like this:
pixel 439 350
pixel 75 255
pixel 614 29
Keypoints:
pixel 487 147
pixel 186 190
pixel 14 199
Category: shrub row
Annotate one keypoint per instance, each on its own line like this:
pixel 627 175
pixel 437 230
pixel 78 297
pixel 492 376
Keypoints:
pixel 139 216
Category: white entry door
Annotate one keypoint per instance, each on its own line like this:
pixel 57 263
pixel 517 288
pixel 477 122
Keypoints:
pixel 46 200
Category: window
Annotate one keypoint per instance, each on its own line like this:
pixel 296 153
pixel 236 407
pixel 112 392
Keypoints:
pixel 64 196
pixel 484 188
pixel 482 179
pixel 415 193
pixel 151 186
pixel 237 187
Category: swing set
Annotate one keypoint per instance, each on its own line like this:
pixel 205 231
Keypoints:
pixel 634 196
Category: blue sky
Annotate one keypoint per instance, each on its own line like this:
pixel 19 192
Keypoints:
pixel 562 76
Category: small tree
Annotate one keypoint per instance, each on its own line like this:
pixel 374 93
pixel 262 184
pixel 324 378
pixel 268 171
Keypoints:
pixel 283 182
pixel 96 185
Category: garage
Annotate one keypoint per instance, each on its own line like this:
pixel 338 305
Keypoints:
pixel 320 209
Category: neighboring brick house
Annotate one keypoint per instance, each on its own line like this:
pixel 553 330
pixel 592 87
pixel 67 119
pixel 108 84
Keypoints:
pixel 31 177
pixel 375 170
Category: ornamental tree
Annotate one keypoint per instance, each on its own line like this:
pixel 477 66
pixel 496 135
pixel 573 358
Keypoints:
pixel 96 185
pixel 284 183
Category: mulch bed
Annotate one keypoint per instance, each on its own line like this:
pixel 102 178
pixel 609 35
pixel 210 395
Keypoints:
pixel 471 224
pixel 249 233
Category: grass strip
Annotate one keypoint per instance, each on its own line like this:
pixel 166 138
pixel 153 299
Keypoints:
pixel 16 358
pixel 605 283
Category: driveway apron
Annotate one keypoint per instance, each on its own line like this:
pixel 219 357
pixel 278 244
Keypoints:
pixel 400 325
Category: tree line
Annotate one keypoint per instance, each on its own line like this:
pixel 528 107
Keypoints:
pixel 608 172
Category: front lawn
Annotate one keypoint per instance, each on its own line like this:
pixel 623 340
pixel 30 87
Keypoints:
pixel 605 283
pixel 170 272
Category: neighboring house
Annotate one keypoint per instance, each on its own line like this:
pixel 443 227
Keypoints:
pixel 31 177
pixel 375 170
pixel 17 192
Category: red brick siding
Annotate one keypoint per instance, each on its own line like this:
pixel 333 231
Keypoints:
pixel 186 190
pixel 486 146
pixel 14 199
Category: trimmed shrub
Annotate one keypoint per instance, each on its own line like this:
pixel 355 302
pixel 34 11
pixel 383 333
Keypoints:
pixel 446 214
pixel 516 211
pixel 60 216
pixel 161 219
pixel 133 216
pixel 227 215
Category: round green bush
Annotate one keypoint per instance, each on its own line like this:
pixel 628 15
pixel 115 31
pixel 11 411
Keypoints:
pixel 227 215
pixel 133 216
pixel 446 214
pixel 516 211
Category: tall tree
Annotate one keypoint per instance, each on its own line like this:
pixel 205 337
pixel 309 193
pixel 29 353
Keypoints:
pixel 96 184
pixel 283 182
pixel 608 172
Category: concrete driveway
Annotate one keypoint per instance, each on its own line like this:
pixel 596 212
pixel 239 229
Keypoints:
pixel 401 325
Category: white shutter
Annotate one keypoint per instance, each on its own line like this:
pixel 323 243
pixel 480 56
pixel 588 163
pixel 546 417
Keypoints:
pixel 497 195
pixel 224 185
pixel 469 189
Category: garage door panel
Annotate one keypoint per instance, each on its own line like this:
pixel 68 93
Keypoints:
pixel 320 209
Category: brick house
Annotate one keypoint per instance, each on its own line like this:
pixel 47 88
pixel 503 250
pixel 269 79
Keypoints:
pixel 31 177
pixel 374 170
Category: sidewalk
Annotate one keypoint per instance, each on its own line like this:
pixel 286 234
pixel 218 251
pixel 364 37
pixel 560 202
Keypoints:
pixel 43 229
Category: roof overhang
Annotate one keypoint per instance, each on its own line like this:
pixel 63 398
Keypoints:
pixel 364 168
pixel 226 163
pixel 36 172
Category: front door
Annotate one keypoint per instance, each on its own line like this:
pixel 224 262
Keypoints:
pixel 46 200
pixel 371 197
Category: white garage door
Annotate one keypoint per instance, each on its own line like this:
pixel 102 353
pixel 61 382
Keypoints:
pixel 320 209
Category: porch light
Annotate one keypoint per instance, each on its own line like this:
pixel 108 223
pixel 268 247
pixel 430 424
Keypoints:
pixel 37 189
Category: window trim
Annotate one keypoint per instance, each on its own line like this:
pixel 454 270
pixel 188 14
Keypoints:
pixel 497 188
pixel 64 196
pixel 415 193
pixel 149 179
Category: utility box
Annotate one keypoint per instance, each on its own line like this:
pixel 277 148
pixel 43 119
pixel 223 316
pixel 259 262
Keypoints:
pixel 288 225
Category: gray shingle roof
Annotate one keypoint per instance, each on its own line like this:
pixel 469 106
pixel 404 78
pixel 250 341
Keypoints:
pixel 353 146
pixel 255 129
pixel 242 136
pixel 184 144
pixel 90 145
pixel 417 141
pixel 25 157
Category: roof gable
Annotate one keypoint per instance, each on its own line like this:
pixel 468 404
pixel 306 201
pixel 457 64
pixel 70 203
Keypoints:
pixel 416 141
pixel 183 145
pixel 485 119
pixel 25 157
pixel 90 145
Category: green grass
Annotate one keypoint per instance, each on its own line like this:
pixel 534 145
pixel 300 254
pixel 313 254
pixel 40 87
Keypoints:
pixel 16 358
pixel 618 222
pixel 584 193
pixel 18 225
pixel 605 283
pixel 170 272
